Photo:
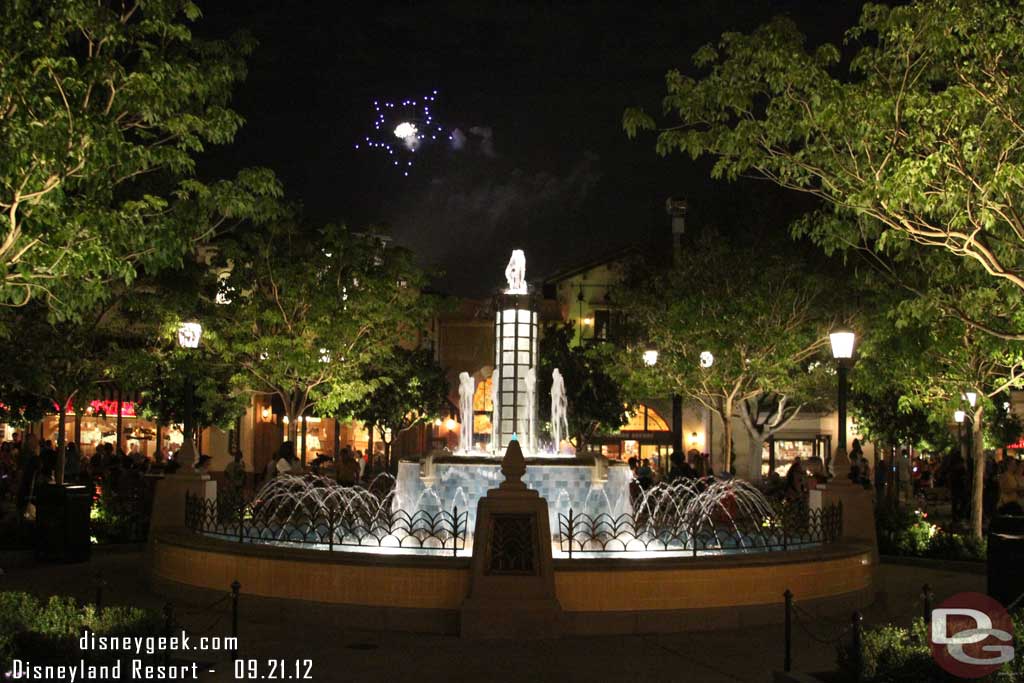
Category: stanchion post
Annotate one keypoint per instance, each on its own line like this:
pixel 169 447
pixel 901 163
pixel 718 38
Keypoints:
pixel 787 662
pixel 235 588
pixel 858 661
pixel 926 595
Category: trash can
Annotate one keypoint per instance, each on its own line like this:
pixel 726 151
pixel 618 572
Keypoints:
pixel 62 523
pixel 1005 558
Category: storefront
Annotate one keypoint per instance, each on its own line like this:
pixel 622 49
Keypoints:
pixel 780 452
pixel 646 435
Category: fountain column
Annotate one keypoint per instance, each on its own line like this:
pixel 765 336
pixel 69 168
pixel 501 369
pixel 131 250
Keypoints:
pixel 515 356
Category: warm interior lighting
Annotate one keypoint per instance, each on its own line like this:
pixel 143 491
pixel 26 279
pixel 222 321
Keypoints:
pixel 265 413
pixel 450 424
pixel 437 422
pixel 842 344
pixel 588 321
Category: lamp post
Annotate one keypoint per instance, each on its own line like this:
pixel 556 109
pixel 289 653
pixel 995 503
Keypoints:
pixel 958 417
pixel 972 401
pixel 842 350
pixel 189 334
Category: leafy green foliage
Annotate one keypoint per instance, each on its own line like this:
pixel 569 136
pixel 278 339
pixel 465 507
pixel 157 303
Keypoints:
pixel 915 141
pixel 104 108
pixel 764 315
pixel 311 311
pixel 595 398
pixel 48 633
pixel 409 387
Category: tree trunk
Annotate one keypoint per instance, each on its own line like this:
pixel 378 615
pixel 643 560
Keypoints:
pixel 759 434
pixel 726 414
pixel 62 411
pixel 978 492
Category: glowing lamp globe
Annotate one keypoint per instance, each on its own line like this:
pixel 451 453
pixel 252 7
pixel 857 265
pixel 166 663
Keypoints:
pixel 651 357
pixel 450 424
pixel 958 416
pixel 189 334
pixel 707 359
pixel 842 344
pixel 972 398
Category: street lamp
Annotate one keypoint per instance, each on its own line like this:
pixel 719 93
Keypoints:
pixel 971 398
pixel 189 334
pixel 958 417
pixel 842 350
pixel 650 357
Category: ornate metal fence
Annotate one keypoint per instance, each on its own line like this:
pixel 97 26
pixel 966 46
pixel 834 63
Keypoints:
pixel 791 529
pixel 248 521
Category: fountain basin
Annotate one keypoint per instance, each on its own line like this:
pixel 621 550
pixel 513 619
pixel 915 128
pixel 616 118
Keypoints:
pixel 607 595
pixel 446 482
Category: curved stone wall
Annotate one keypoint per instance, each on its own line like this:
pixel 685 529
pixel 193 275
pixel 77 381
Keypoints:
pixel 613 595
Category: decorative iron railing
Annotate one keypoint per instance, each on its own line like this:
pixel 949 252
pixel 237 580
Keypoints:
pixel 790 529
pixel 331 527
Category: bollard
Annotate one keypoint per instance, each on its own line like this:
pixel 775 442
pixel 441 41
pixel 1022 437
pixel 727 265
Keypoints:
pixel 168 623
pixel 235 588
pixel 858 663
pixel 926 595
pixel 787 662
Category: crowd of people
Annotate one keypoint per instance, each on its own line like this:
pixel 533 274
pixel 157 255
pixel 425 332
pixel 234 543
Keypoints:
pixel 28 462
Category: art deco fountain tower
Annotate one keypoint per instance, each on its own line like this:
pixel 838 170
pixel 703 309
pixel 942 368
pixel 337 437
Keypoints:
pixel 516 362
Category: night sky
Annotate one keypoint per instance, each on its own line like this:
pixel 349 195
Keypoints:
pixel 538 93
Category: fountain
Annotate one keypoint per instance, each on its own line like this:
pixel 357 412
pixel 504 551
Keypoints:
pixel 586 482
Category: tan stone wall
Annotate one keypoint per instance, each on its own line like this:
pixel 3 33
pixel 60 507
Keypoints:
pixel 694 588
pixel 374 584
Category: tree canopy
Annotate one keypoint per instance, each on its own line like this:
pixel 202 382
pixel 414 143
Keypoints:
pixel 309 310
pixel 914 141
pixel 763 317
pixel 104 109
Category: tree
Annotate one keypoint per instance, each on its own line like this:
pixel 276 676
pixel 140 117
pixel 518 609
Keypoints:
pixel 595 399
pixel 55 366
pixel 409 388
pixel 310 311
pixel 762 316
pixel 935 360
pixel 913 142
pixel 104 109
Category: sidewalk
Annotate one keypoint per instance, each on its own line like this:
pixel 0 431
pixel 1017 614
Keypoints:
pixel 341 654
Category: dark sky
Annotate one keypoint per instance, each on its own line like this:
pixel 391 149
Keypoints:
pixel 549 168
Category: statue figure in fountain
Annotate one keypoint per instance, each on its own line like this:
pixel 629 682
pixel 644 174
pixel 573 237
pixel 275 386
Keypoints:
pixel 515 273
pixel 466 388
pixel 559 406
pixel 531 392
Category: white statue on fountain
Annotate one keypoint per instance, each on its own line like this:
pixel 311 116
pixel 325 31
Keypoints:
pixel 466 389
pixel 515 273
pixel 559 406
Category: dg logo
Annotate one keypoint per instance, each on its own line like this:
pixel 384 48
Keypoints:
pixel 971 635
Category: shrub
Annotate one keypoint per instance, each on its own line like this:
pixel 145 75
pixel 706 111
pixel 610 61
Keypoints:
pixel 903 531
pixel 48 634
pixel 893 654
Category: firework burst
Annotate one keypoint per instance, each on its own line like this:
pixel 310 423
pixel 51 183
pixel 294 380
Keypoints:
pixel 400 128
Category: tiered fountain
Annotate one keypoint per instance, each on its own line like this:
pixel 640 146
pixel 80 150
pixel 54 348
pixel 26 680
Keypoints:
pixel 443 480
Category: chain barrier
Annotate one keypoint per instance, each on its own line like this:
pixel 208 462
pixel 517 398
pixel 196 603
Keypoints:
pixel 800 612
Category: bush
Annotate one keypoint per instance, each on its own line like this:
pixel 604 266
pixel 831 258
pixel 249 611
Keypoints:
pixel 903 531
pixel 48 634
pixel 892 654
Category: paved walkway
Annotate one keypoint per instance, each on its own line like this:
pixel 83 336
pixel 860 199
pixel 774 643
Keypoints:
pixel 345 654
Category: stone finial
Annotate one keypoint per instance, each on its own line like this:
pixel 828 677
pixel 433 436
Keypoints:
pixel 513 466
